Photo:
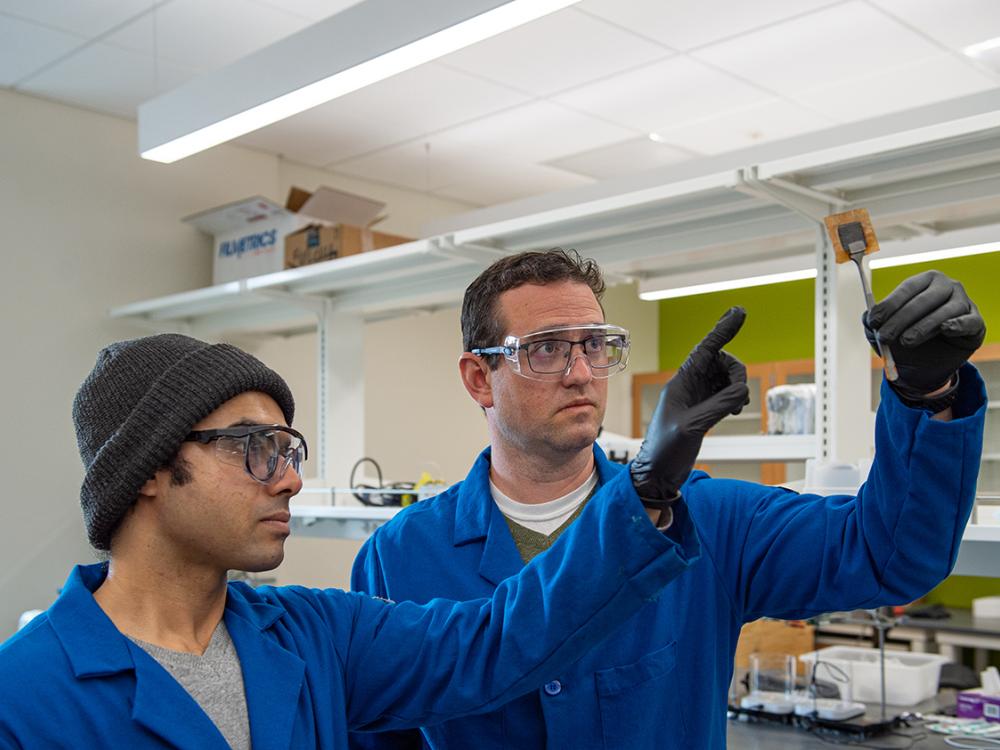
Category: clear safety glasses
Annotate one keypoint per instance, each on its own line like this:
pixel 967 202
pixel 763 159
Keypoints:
pixel 265 451
pixel 548 354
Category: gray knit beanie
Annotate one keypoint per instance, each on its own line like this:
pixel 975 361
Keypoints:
pixel 139 403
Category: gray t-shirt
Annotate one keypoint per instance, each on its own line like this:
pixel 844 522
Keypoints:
pixel 214 680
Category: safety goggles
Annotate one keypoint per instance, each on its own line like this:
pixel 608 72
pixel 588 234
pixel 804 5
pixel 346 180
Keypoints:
pixel 265 451
pixel 548 354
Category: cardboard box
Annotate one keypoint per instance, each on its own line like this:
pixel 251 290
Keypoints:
pixel 317 242
pixel 774 636
pixel 250 234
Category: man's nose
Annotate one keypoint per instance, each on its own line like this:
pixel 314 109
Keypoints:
pixel 578 370
pixel 291 481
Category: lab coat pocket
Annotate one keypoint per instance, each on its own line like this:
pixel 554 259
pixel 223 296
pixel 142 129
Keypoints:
pixel 639 706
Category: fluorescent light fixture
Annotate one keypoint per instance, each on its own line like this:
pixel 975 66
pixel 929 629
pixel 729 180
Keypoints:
pixel 738 276
pixel 926 257
pixel 974 50
pixel 718 286
pixel 401 35
pixel 742 276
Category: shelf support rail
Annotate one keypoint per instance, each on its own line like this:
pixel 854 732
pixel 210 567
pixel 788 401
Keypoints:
pixel 844 430
pixel 340 420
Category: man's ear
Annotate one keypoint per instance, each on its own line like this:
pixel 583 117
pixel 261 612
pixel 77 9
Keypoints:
pixel 477 379
pixel 150 488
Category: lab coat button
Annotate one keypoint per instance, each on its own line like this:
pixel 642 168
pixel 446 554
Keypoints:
pixel 553 688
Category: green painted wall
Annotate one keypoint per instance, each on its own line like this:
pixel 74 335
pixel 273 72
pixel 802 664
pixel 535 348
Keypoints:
pixel 780 316
pixel 780 326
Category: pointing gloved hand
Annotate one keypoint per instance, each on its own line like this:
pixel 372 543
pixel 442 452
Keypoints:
pixel 932 328
pixel 709 385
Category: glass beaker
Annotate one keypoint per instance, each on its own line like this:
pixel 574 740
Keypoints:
pixel 772 673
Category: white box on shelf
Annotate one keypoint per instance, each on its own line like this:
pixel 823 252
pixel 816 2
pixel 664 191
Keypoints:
pixel 986 607
pixel 910 678
pixel 250 234
pixel 988 512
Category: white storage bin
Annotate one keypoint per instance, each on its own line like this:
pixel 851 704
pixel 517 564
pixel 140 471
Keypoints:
pixel 909 677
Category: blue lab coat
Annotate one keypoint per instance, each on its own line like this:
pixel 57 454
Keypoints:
pixel 766 551
pixel 318 663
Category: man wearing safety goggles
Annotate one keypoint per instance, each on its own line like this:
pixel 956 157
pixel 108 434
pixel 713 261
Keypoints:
pixel 538 353
pixel 190 466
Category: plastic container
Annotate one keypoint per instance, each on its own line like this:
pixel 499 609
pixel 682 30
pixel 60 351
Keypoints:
pixel 791 409
pixel 910 678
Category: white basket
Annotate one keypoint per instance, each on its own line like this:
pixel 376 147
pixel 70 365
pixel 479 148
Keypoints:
pixel 910 678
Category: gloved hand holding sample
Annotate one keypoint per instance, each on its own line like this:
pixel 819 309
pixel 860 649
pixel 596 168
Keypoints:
pixel 933 328
pixel 709 385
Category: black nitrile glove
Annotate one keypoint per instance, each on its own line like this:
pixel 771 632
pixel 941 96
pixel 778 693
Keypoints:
pixel 932 328
pixel 709 385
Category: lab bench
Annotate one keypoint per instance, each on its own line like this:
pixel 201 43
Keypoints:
pixel 762 735
pixel 960 630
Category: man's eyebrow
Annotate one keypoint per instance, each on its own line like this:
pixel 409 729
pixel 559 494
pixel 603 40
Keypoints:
pixel 246 423
pixel 567 325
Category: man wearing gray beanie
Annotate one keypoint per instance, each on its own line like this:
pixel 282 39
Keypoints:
pixel 190 463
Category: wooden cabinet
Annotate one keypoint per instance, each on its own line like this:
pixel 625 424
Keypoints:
pixel 751 421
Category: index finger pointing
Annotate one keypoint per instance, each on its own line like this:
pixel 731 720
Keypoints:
pixel 725 330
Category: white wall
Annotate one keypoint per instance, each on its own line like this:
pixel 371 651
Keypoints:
pixel 88 225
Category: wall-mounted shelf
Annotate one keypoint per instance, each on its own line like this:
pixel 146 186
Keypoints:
pixel 727 447
pixel 919 172
pixel 338 521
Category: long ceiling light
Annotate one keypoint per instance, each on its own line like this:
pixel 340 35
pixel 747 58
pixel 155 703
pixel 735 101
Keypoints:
pixel 748 275
pixel 684 283
pixel 932 255
pixel 719 286
pixel 357 47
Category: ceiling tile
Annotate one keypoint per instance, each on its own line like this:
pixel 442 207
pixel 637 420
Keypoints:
pixel 87 19
pixel 422 100
pixel 107 79
pixel 686 24
pixel 677 90
pixel 207 35
pixel 889 90
pixel 820 49
pixel 532 132
pixel 555 52
pixel 956 23
pixel 489 183
pixel 412 165
pixel 466 174
pixel 26 47
pixel 627 157
pixel 766 121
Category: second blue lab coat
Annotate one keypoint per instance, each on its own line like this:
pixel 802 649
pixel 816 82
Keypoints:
pixel 767 551
pixel 319 663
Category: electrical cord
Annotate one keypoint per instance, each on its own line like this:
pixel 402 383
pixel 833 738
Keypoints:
pixel 911 740
pixel 385 499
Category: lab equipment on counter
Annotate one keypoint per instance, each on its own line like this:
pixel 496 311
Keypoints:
pixel 909 677
pixel 853 238
pixel 395 494
pixel 772 683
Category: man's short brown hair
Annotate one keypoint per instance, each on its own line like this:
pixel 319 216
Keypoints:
pixel 481 324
